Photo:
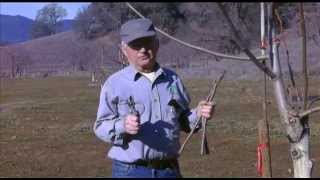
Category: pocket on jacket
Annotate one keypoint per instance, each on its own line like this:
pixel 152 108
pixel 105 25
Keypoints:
pixel 173 110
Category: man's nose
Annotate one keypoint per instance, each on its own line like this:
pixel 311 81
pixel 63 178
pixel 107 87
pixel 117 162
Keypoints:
pixel 142 50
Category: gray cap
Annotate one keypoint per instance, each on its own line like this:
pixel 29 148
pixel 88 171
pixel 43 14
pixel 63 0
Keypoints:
pixel 136 28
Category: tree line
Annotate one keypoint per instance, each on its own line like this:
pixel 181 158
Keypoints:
pixel 100 18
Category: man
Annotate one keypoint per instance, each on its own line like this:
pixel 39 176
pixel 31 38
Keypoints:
pixel 143 107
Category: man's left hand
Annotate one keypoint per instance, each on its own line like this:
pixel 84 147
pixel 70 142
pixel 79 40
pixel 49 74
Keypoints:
pixel 205 109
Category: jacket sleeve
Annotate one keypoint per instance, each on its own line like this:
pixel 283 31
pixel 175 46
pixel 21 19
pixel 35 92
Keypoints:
pixel 109 127
pixel 188 118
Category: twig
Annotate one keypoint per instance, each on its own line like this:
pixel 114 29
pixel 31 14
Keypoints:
pixel 204 144
pixel 189 135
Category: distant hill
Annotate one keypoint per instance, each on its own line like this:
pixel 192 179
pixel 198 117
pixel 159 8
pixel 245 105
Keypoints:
pixel 14 29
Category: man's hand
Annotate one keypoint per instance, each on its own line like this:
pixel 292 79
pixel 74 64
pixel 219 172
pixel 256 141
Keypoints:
pixel 131 124
pixel 205 109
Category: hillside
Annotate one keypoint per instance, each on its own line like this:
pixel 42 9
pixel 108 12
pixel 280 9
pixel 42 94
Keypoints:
pixel 60 53
pixel 66 52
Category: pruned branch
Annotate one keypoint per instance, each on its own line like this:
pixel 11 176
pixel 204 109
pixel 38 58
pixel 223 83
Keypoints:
pixel 204 144
pixel 209 98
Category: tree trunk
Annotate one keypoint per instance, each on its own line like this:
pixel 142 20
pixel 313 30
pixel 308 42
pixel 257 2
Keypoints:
pixel 302 164
pixel 297 133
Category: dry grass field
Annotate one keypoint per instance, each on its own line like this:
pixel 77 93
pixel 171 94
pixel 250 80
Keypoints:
pixel 46 130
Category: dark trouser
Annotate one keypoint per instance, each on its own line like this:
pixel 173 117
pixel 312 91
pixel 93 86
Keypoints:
pixel 144 169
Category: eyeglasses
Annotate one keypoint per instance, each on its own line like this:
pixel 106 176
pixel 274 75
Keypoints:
pixel 147 43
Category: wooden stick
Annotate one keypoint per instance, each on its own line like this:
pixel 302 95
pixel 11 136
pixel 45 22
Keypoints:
pixel 204 144
pixel 263 124
pixel 209 99
pixel 193 129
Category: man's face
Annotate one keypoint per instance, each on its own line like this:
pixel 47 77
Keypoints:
pixel 142 53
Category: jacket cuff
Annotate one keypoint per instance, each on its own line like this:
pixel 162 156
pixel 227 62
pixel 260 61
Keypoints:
pixel 193 119
pixel 119 132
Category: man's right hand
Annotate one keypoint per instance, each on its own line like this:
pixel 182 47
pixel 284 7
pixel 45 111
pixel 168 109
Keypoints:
pixel 131 124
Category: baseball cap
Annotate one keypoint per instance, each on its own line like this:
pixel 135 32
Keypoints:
pixel 137 28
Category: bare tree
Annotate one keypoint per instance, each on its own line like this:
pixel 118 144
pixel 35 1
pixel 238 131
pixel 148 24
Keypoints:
pixel 294 116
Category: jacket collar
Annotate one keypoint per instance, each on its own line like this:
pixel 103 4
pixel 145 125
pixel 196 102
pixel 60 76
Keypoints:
pixel 134 75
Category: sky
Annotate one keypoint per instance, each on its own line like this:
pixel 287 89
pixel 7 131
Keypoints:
pixel 30 9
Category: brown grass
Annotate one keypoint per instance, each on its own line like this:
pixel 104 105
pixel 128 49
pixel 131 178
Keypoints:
pixel 46 130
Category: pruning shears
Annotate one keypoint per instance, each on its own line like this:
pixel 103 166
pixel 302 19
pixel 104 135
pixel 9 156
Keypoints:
pixel 132 106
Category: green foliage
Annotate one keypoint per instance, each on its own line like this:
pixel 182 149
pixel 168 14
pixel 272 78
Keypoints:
pixel 47 19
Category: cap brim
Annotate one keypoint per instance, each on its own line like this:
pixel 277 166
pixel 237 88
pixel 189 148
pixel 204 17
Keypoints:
pixel 131 38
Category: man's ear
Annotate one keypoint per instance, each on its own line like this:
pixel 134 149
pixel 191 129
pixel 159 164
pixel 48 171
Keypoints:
pixel 123 48
pixel 157 43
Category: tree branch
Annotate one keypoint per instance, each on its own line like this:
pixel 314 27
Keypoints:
pixel 304 55
pixel 313 101
pixel 241 44
pixel 193 46
pixel 310 111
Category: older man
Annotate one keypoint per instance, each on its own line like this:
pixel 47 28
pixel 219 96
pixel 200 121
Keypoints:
pixel 143 108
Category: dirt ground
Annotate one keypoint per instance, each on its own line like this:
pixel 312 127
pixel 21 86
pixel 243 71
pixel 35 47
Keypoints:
pixel 46 131
pixel 232 157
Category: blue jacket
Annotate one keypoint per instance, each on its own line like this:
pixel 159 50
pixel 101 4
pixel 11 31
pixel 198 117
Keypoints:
pixel 164 111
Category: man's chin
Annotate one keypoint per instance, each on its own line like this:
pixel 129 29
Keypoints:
pixel 145 60
pixel 147 65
